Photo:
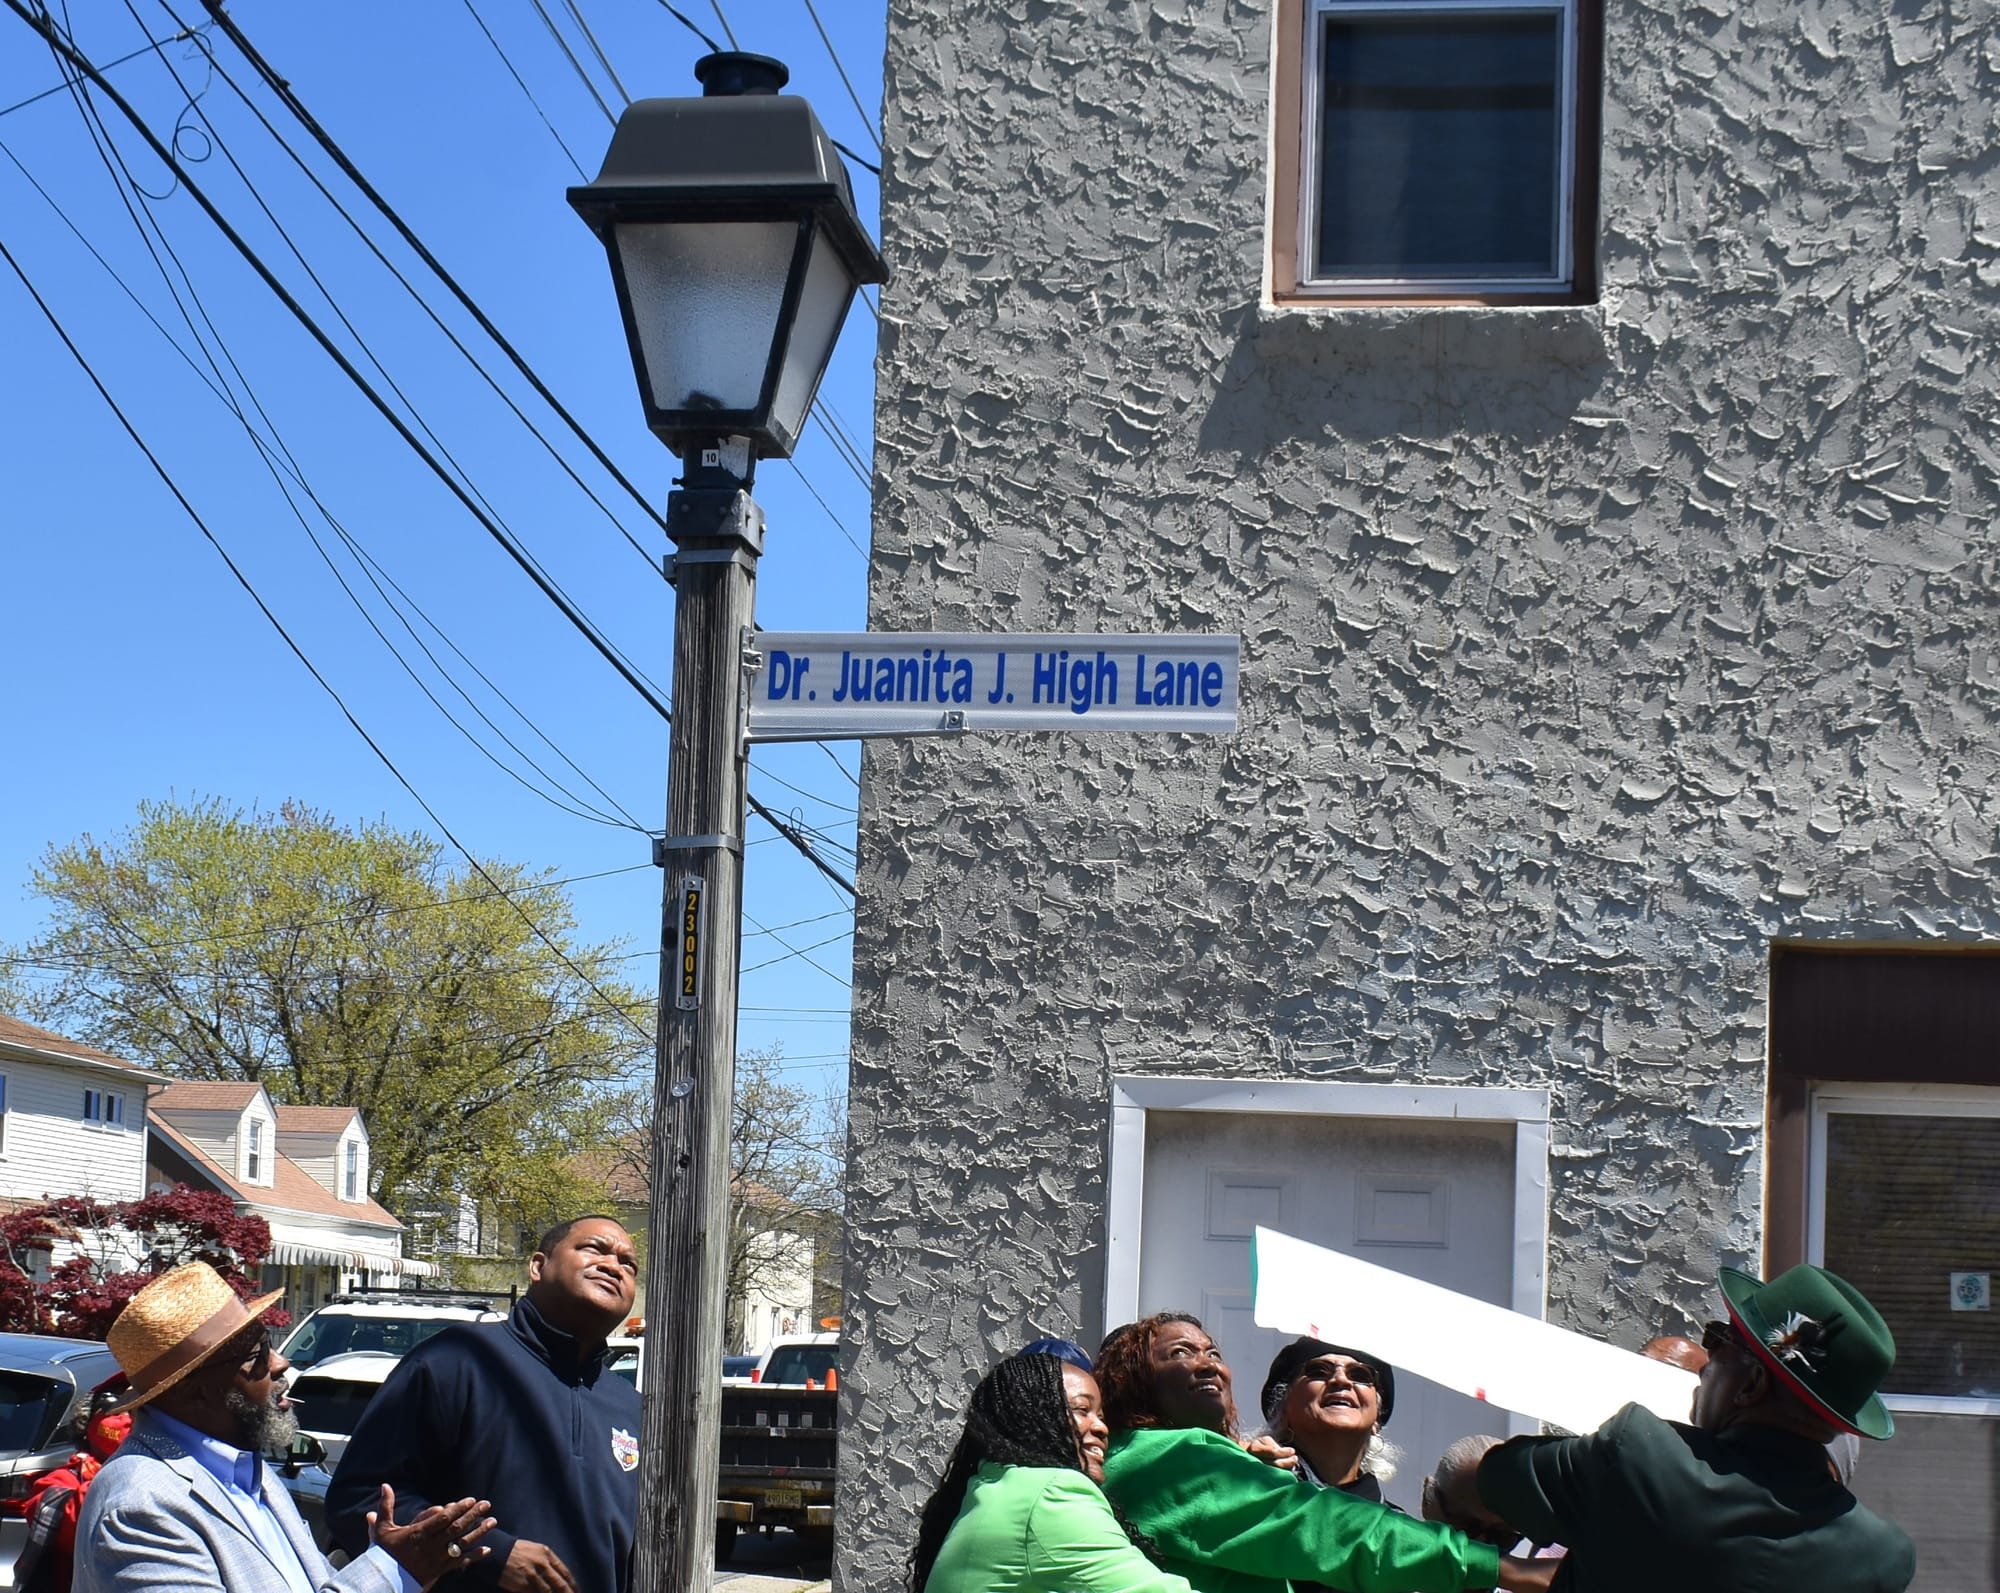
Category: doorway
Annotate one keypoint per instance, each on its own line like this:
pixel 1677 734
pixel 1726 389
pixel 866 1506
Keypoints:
pixel 1442 1184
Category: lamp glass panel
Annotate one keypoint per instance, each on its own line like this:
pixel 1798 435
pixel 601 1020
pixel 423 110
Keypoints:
pixel 706 297
pixel 822 308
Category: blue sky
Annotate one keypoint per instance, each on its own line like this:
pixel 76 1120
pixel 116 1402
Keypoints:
pixel 138 667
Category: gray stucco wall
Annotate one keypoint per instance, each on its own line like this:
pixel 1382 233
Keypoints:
pixel 1585 651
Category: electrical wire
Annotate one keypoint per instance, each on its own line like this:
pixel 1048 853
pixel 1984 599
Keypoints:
pixel 68 52
pixel 728 32
pixel 438 321
pixel 569 55
pixel 518 554
pixel 242 580
pixel 576 165
pixel 109 66
pixel 218 384
pixel 681 17
pixel 280 458
pixel 597 49
pixel 867 123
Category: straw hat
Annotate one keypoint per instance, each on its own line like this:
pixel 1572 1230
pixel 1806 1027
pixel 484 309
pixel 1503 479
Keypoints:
pixel 176 1323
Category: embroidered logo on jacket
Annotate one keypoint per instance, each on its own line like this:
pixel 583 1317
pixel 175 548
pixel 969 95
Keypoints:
pixel 624 1448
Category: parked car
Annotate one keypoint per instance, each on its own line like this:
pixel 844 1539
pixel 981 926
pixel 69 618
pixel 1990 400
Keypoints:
pixel 45 1388
pixel 306 1473
pixel 386 1323
pixel 331 1395
pixel 799 1360
pixel 740 1368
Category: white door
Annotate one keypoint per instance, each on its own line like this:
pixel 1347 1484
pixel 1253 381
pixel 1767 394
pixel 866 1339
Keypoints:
pixel 1427 1197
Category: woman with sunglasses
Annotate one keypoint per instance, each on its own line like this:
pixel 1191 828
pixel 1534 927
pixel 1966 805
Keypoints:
pixel 1019 1509
pixel 1229 1522
pixel 1329 1405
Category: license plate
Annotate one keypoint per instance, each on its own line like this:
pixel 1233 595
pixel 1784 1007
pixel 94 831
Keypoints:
pixel 784 1499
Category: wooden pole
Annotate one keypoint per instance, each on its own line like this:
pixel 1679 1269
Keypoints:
pixel 718 535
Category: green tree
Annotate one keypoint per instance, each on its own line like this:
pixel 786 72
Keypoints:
pixel 350 965
pixel 787 1160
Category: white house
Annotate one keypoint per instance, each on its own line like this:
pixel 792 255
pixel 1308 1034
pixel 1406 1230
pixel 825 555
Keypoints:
pixel 72 1118
pixel 303 1169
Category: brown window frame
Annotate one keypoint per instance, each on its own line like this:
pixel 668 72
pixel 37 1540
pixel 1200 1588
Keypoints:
pixel 1291 22
pixel 1852 1014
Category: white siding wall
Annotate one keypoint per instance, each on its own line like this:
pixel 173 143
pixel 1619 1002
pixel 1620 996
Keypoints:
pixel 323 1157
pixel 48 1149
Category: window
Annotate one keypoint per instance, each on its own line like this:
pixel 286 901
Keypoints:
pixel 1444 150
pixel 1883 1164
pixel 105 1107
pixel 350 1173
pixel 3 1114
pixel 253 1161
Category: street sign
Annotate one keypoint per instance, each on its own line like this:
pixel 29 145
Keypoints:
pixel 832 686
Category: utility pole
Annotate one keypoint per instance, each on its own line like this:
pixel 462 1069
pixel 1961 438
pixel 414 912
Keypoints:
pixel 718 534
pixel 730 227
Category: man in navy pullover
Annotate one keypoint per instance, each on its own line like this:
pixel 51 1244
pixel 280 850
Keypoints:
pixel 525 1413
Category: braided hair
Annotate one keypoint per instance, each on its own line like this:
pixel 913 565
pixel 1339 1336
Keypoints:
pixel 1018 1416
pixel 1125 1373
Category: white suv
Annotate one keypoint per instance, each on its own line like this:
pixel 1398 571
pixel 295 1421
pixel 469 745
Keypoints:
pixel 386 1324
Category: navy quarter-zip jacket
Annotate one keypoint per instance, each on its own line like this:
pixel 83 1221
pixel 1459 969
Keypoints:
pixel 506 1411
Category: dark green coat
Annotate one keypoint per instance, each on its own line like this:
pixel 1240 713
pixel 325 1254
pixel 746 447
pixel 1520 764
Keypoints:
pixel 1647 1506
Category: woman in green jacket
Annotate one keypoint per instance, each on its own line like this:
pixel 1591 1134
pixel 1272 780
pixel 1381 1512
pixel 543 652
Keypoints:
pixel 1231 1523
pixel 1019 1509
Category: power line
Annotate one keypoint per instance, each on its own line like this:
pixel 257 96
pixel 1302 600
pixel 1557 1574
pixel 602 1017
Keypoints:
pixel 513 549
pixel 569 55
pixel 436 320
pixel 297 107
pixel 597 49
pixel 728 32
pixel 298 652
pixel 280 458
pixel 682 18
pixel 129 55
pixel 867 123
pixel 108 153
pixel 334 152
pixel 519 82
pixel 68 52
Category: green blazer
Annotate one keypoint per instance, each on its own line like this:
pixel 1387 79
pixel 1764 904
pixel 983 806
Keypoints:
pixel 1647 1506
pixel 1037 1529
pixel 1229 1523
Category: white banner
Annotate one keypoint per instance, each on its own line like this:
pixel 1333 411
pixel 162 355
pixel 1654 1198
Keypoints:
pixel 1542 1371
pixel 828 686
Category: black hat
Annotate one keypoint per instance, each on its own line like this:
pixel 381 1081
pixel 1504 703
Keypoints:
pixel 1293 1357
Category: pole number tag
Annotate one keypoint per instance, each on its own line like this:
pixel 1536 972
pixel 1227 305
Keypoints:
pixel 689 990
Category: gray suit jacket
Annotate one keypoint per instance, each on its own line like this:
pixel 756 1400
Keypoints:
pixel 154 1519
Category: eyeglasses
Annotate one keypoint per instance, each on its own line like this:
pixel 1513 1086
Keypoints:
pixel 1717 1337
pixel 1359 1373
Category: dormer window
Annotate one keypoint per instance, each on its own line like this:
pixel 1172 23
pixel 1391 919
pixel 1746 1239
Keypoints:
pixel 350 1172
pixel 104 1107
pixel 253 1161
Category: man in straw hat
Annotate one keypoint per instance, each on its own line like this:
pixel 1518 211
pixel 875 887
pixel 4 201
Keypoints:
pixel 1741 1501
pixel 187 1502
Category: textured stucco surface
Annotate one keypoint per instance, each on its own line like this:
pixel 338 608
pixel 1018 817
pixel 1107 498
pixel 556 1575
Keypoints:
pixel 1585 651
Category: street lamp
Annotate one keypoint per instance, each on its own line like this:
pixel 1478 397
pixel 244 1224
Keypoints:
pixel 736 251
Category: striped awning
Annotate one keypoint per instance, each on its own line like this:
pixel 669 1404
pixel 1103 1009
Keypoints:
pixel 313 1247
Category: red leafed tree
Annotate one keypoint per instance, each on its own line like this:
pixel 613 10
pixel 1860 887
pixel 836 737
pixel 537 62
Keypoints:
pixel 115 1249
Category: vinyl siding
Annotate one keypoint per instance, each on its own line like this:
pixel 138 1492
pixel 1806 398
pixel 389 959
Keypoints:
pixel 48 1149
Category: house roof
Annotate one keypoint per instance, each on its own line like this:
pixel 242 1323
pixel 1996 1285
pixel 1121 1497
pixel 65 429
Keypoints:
pixel 33 1037
pixel 316 1119
pixel 293 1189
pixel 201 1095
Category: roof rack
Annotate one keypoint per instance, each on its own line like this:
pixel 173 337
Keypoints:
pixel 472 1297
